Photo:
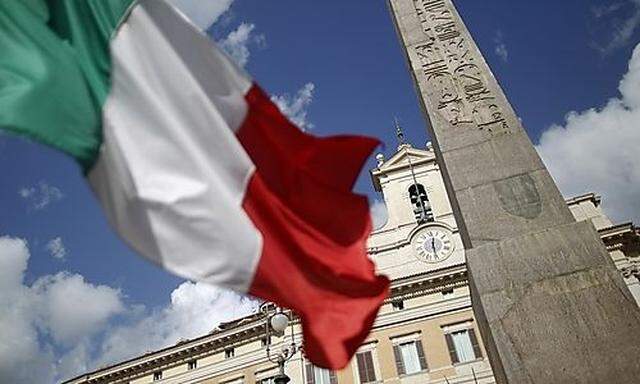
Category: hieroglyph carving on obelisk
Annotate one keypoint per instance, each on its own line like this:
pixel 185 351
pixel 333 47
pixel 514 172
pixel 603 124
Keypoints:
pixel 449 67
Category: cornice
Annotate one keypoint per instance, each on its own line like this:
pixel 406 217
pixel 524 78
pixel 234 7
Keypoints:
pixel 250 359
pixel 404 151
pixel 624 237
pixel 616 230
pixel 170 356
pixel 395 163
pixel 592 197
pixel 428 283
pixel 400 166
pixel 399 227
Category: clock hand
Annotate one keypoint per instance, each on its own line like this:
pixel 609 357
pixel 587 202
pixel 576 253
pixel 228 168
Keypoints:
pixel 433 245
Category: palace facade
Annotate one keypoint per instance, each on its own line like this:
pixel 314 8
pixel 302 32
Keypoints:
pixel 425 331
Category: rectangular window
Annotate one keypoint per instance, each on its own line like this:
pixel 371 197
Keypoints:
pixel 463 346
pixel 316 375
pixel 366 370
pixel 268 380
pixel 193 364
pixel 229 352
pixel 397 305
pixel 410 357
pixel 157 376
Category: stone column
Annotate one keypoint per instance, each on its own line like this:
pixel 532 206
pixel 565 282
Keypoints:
pixel 551 306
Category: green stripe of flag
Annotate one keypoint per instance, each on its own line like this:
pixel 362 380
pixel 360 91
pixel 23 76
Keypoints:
pixel 54 70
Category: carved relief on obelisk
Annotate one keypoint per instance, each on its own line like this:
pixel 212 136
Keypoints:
pixel 551 305
pixel 496 171
pixel 451 69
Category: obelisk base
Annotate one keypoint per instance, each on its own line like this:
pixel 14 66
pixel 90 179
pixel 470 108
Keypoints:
pixel 558 312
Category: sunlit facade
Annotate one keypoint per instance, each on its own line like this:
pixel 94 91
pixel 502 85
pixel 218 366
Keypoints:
pixel 425 332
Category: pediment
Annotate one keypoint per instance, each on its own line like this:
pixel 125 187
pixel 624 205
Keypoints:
pixel 402 157
pixel 405 154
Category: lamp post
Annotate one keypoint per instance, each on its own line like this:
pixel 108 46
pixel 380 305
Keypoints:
pixel 276 322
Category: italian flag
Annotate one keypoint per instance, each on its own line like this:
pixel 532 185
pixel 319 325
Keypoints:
pixel 194 166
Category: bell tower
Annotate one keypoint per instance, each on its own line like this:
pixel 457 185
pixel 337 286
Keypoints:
pixel 420 234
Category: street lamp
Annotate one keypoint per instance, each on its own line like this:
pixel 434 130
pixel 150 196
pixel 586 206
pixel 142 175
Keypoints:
pixel 277 321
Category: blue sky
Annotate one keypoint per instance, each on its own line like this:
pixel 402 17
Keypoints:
pixel 335 67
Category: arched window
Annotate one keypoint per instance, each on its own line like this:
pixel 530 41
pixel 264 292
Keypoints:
pixel 420 203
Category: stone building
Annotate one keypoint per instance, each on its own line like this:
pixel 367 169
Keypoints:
pixel 425 332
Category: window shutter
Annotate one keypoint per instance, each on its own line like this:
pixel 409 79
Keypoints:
pixel 423 360
pixel 399 362
pixel 366 371
pixel 311 378
pixel 476 345
pixel 362 371
pixel 452 348
pixel 371 372
pixel 333 377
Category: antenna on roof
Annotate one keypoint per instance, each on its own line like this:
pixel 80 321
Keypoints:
pixel 399 133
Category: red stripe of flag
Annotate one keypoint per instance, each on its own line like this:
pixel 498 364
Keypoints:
pixel 315 229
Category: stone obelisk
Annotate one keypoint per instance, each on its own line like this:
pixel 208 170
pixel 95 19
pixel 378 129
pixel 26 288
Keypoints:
pixel 551 306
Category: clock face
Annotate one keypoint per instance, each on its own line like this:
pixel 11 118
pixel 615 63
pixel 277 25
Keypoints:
pixel 433 245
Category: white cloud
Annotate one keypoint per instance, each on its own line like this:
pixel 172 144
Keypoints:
pixel 605 10
pixel 74 309
pixel 237 43
pixel 295 106
pixel 195 309
pixel 61 325
pixel 625 20
pixel 203 13
pixel 597 149
pixel 501 47
pixel 56 248
pixel 379 213
pixel 41 195
pixel 62 308
pixel 13 262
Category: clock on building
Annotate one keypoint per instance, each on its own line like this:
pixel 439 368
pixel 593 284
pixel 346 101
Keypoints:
pixel 433 245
